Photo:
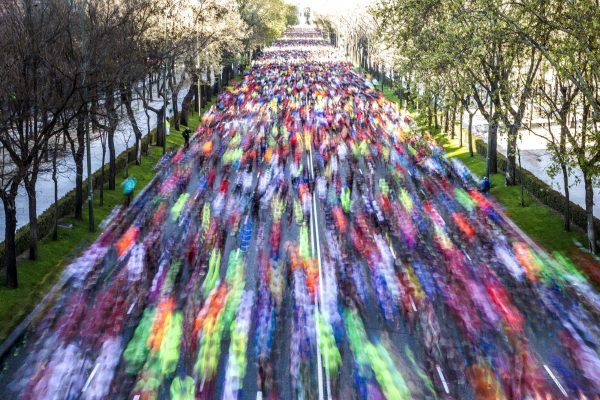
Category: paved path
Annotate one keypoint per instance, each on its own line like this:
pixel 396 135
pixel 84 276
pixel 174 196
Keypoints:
pixel 536 159
pixel 308 244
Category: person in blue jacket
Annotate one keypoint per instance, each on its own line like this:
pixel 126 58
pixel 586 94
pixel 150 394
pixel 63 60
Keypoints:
pixel 486 185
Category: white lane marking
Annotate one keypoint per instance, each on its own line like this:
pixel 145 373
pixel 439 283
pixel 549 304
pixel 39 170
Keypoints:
pixel 319 364
pixel 439 371
pixel 412 303
pixel 320 295
pixel 391 248
pixel 328 380
pixel 131 308
pixel 89 379
pixel 562 390
pixel 203 379
pixel 259 395
pixel 310 162
pixel 312 233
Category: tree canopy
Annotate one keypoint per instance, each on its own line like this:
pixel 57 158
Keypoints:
pixel 504 56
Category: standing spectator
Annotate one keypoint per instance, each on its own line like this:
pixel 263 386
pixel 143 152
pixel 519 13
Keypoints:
pixel 186 137
pixel 486 185
pixel 128 188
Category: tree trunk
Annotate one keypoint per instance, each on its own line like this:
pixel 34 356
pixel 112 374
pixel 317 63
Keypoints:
pixel 453 122
pixel 112 161
pixel 160 127
pixel 186 104
pixel 102 175
pixel 226 75
pixel 79 168
pixel 565 173
pixel 460 121
pixel 148 132
pixel 511 159
pixel 144 94
pixel 158 91
pixel 174 96
pixel 470 134
pixel 127 160
pixel 564 131
pixel 589 211
pixel 55 180
pixel 429 115
pixel 79 186
pixel 435 112
pixel 111 128
pixel 10 254
pixel 492 147
pixel 446 119
pixel 400 94
pixel 136 129
pixel 33 220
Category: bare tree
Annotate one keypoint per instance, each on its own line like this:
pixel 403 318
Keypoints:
pixel 32 38
pixel 126 134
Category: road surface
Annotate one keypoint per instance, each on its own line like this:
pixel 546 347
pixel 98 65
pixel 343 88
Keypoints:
pixel 310 244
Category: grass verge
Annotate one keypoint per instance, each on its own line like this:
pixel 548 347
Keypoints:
pixel 544 225
pixel 541 223
pixel 37 277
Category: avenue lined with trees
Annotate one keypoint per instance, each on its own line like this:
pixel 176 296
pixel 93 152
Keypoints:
pixel 284 207
pixel 70 69
pixel 513 62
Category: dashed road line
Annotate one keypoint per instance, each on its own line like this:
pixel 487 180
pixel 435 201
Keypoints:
pixel 556 382
pixel 439 371
pixel 89 379
pixel 320 269
pixel 313 226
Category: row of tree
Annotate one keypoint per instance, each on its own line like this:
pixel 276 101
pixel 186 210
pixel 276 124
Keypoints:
pixel 512 61
pixel 72 69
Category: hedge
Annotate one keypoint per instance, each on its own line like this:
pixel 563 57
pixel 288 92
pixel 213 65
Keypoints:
pixel 543 192
pixel 66 204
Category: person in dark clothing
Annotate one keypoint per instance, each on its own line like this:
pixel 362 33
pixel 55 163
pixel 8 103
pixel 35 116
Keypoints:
pixel 186 136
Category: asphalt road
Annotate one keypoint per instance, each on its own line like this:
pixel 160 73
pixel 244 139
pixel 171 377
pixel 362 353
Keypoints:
pixel 311 244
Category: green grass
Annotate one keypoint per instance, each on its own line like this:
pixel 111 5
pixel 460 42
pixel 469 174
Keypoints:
pixel 540 222
pixel 389 94
pixel 37 277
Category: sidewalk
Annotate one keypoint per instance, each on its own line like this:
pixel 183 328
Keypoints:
pixel 536 159
pixel 66 179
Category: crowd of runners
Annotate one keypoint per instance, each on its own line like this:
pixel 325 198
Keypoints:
pixel 311 243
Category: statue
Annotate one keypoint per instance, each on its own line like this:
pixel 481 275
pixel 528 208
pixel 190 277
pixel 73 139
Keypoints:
pixel 307 15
